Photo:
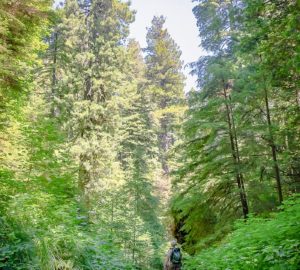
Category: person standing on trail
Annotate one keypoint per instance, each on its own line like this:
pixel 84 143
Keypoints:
pixel 173 258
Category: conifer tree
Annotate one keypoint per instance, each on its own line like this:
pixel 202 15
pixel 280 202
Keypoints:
pixel 139 158
pixel 21 25
pixel 100 91
pixel 266 33
pixel 240 99
pixel 93 78
pixel 216 71
pixel 166 82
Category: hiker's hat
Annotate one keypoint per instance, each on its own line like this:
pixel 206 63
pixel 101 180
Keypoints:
pixel 174 243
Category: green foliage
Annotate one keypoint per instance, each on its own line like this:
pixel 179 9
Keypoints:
pixel 239 142
pixel 165 82
pixel 95 89
pixel 41 225
pixel 78 154
pixel 259 243
pixel 138 155
pixel 22 24
pixel 85 158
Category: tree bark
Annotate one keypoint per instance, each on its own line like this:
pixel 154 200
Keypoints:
pixel 134 226
pixel 273 147
pixel 54 78
pixel 235 155
pixel 165 145
pixel 83 179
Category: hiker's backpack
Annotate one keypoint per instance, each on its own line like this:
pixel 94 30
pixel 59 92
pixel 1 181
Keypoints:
pixel 176 256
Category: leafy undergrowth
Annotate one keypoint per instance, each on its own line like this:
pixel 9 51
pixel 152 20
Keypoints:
pixel 42 225
pixel 43 231
pixel 258 244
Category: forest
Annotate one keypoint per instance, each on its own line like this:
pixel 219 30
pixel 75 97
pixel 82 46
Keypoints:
pixel 105 158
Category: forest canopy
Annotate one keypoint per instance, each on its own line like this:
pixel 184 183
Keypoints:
pixel 105 158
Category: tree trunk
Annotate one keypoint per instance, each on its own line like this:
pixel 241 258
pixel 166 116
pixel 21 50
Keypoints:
pixel 54 78
pixel 234 133
pixel 165 145
pixel 134 226
pixel 273 147
pixel 235 155
pixel 83 179
pixel 112 215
